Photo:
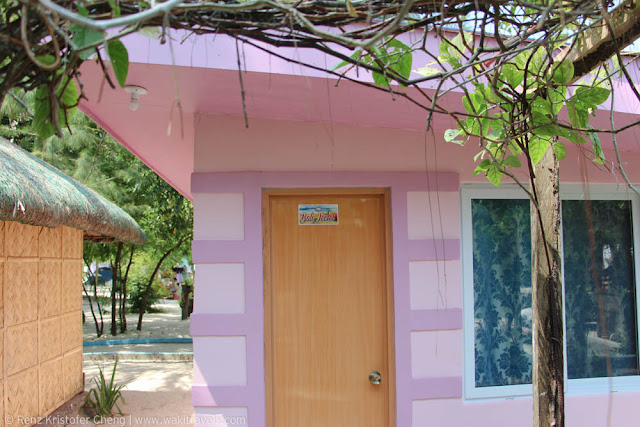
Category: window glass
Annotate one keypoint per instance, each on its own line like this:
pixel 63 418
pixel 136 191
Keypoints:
pixel 599 282
pixel 502 291
pixel 599 288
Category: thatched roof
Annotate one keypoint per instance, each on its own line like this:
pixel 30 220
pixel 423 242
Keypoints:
pixel 34 192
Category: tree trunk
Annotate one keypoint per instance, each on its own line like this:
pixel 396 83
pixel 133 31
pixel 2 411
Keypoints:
pixel 123 301
pixel 99 306
pixel 548 365
pixel 93 313
pixel 115 265
pixel 147 290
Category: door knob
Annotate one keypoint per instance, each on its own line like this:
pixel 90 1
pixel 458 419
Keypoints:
pixel 375 377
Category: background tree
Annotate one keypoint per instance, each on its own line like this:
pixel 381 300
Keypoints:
pixel 169 226
pixel 89 154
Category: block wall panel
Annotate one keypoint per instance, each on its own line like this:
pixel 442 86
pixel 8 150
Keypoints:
pixel 2 228
pixel 435 284
pixel 1 356
pixel 2 268
pixel 220 288
pixel 2 402
pixel 71 286
pixel 71 327
pixel 436 353
pixel 22 240
pixel 50 339
pixel 22 394
pixel 218 216
pixel 71 243
pixel 51 392
pixel 220 360
pixel 50 282
pixel 432 215
pixel 21 288
pixel 72 373
pixel 50 242
pixel 22 347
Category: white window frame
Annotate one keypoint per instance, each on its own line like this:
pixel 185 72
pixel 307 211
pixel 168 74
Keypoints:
pixel 567 192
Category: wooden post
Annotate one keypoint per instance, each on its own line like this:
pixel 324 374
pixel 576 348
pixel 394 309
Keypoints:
pixel 548 364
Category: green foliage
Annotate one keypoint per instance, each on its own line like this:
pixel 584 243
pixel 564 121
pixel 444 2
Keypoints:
pixel 105 397
pixel 84 40
pixel 514 109
pixel 66 100
pixel 136 288
pixel 391 58
pixel 119 60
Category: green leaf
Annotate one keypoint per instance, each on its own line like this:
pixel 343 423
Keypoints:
pixel 83 37
pixel 482 167
pixel 573 136
pixel 445 45
pixel 596 146
pixel 563 72
pixel 537 148
pixel 512 161
pixel 41 118
pixel 154 33
pixel 404 65
pixel 47 59
pixel 119 60
pixel 467 104
pixel 427 71
pixel 494 175
pixel 67 93
pixel 400 57
pixel 557 97
pixel 115 8
pixel 578 114
pixel 541 126
pixel 559 150
pixel 380 80
pixel 82 10
pixel 537 61
pixel 541 105
pixel 451 134
pixel 513 75
pixel 591 96
pixel 68 98
pixel 355 55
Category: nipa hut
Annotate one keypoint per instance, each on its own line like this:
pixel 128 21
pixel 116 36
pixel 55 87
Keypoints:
pixel 44 217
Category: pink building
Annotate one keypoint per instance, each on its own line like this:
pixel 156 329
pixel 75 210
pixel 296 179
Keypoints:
pixel 412 307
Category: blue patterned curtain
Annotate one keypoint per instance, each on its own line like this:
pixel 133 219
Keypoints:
pixel 502 291
pixel 599 275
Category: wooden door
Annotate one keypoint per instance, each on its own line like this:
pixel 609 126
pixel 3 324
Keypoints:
pixel 328 313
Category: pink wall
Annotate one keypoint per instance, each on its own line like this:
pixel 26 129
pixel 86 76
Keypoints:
pixel 227 384
pixel 426 244
pixel 223 144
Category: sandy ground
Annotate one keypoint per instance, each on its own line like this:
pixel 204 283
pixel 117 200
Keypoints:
pixel 166 323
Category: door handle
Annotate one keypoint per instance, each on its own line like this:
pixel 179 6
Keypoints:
pixel 375 377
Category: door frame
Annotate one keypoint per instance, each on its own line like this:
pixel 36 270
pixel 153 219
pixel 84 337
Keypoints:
pixel 388 294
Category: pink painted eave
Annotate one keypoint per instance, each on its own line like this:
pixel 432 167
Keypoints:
pixel 204 81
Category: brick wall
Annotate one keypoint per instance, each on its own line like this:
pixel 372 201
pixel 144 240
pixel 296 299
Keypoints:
pixel 40 320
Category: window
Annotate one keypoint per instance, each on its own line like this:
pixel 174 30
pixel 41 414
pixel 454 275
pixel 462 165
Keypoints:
pixel 599 284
